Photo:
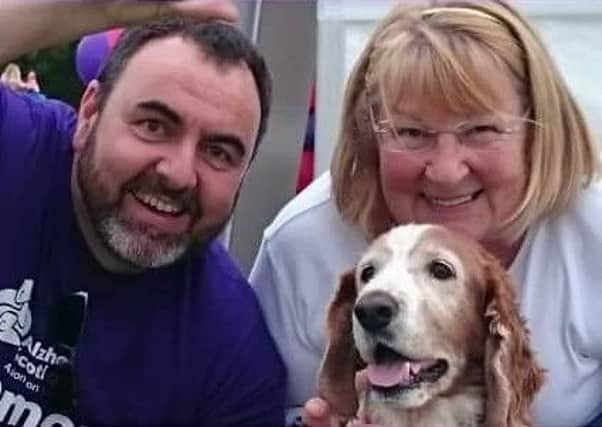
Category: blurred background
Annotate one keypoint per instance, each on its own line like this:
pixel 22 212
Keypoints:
pixel 55 71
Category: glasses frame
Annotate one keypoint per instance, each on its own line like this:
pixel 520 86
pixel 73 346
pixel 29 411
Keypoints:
pixel 383 127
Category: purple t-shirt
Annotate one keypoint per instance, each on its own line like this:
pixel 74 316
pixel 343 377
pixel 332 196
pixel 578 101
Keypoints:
pixel 181 345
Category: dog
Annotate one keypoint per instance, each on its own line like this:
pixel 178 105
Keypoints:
pixel 432 318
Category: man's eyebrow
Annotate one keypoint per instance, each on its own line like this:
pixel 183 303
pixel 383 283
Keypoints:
pixel 161 108
pixel 228 139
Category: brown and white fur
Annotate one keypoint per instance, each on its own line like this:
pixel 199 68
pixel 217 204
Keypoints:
pixel 446 308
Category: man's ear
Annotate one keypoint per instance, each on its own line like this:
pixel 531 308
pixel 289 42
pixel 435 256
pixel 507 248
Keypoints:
pixel 87 115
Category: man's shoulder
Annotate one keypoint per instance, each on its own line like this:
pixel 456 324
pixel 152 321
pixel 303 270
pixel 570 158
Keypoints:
pixel 220 301
pixel 17 109
pixel 229 306
pixel 34 132
pixel 220 263
pixel 221 280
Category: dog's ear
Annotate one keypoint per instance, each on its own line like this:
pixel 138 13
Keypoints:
pixel 336 379
pixel 512 374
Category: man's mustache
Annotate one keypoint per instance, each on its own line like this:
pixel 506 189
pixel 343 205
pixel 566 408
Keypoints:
pixel 187 199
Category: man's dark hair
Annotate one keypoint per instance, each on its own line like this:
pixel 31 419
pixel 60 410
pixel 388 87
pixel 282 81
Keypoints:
pixel 221 42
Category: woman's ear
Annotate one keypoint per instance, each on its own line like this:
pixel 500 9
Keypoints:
pixel 87 115
pixel 512 375
pixel 336 379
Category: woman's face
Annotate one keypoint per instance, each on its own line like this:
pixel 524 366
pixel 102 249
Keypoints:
pixel 469 187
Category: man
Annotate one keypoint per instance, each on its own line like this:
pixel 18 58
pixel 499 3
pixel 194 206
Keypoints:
pixel 117 307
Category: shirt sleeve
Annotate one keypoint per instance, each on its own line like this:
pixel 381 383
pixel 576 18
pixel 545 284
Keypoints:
pixel 34 135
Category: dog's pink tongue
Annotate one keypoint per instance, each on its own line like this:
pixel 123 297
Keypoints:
pixel 389 375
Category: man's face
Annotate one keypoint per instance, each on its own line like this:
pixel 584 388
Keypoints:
pixel 159 168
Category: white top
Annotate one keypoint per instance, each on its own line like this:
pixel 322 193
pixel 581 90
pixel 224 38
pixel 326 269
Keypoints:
pixel 558 271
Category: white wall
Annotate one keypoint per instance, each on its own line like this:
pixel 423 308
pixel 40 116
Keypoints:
pixel 571 28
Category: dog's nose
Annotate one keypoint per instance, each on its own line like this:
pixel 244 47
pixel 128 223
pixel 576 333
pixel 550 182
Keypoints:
pixel 375 310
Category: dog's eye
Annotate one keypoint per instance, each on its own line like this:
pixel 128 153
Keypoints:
pixel 367 273
pixel 441 270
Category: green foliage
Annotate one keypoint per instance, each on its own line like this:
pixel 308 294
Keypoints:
pixel 56 73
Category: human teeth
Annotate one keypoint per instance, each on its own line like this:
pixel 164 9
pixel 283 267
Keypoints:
pixel 158 204
pixel 450 202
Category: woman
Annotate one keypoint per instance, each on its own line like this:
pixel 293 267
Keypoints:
pixel 454 114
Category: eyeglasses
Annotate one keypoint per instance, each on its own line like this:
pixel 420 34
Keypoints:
pixel 476 134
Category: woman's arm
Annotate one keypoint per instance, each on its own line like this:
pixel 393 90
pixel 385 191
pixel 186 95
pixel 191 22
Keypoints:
pixel 26 25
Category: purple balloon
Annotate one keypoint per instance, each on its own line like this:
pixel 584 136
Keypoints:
pixel 92 52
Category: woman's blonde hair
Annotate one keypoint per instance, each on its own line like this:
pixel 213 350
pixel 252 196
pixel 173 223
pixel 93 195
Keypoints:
pixel 434 50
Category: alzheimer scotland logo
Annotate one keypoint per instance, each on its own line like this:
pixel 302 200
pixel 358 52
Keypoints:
pixel 15 314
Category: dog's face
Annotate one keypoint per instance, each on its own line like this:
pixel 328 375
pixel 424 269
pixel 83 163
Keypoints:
pixel 416 320
pixel 433 317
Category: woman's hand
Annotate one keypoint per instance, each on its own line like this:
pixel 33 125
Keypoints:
pixel 317 412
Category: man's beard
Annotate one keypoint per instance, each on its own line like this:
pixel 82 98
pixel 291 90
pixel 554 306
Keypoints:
pixel 132 242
